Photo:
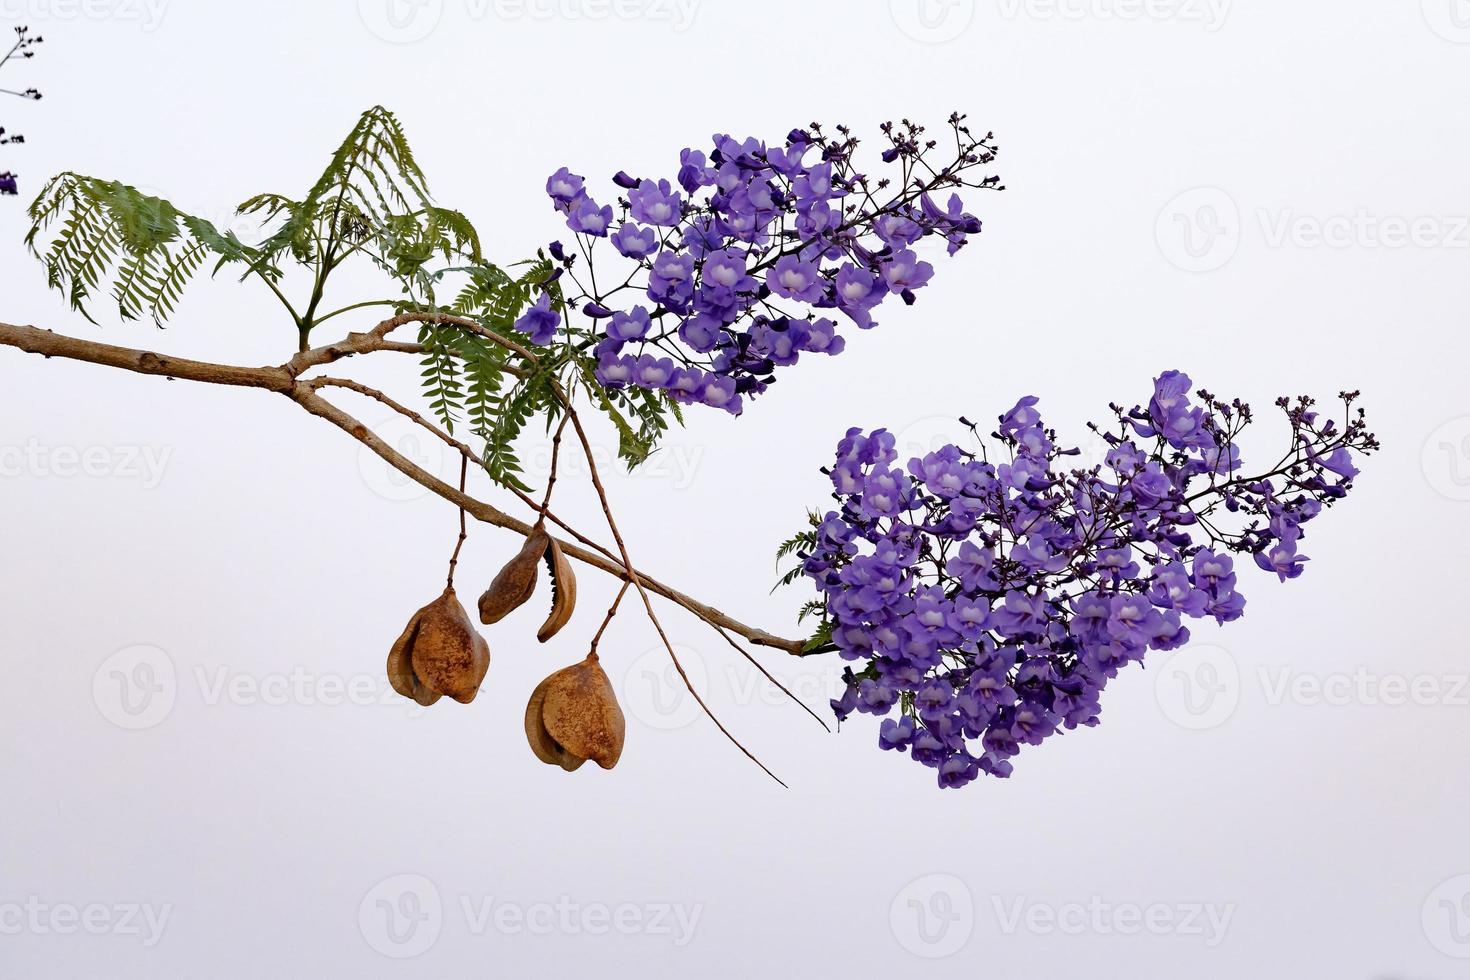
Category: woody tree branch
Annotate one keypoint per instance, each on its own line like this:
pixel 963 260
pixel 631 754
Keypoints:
pixel 285 379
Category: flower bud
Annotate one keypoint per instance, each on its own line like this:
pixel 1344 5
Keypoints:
pixel 573 716
pixel 439 653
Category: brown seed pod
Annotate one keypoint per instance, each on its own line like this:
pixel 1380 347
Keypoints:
pixel 516 581
pixel 573 716
pixel 439 653
pixel 563 592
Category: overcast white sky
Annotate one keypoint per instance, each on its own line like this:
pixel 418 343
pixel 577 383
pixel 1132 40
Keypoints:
pixel 1270 196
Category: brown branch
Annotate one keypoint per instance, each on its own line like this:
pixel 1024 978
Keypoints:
pixel 281 379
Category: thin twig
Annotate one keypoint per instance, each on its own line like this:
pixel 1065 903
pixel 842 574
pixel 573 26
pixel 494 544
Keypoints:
pixel 463 531
pixel 612 526
pixel 760 667
pixel 611 612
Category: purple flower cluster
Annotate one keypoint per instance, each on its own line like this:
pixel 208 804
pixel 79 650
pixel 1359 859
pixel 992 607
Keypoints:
pixel 752 255
pixel 990 601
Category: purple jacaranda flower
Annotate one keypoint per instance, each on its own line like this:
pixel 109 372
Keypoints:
pixel 540 321
pixel 819 336
pixel 904 271
pixel 614 372
pixel 1339 461
pixel 795 279
pixel 720 393
pixel 1019 614
pixel 634 242
pixel 1282 559
pixel 701 332
pixel 564 187
pixel 586 217
pixel 632 325
pixel 653 372
pixel 655 204
pixel 896 735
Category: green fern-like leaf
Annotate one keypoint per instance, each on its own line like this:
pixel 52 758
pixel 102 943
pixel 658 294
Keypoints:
pixel 107 231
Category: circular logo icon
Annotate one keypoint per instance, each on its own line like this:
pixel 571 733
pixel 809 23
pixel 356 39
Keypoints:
pixel 1447 918
pixel 1199 230
pixel 1450 19
pixel 411 441
pixel 1446 459
pixel 931 433
pixel 655 694
pixel 1198 687
pixel 136 687
pixel 400 21
pixel 932 21
pixel 933 916
pixel 402 916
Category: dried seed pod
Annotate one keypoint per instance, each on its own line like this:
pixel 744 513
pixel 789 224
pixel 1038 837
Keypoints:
pixel 563 592
pixel 439 653
pixel 516 581
pixel 574 716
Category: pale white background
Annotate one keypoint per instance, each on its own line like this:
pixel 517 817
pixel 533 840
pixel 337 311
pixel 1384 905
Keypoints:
pixel 1220 188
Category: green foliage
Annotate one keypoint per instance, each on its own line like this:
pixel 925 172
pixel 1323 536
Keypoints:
pixel 372 198
pixel 144 246
pixel 802 541
pixel 97 236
